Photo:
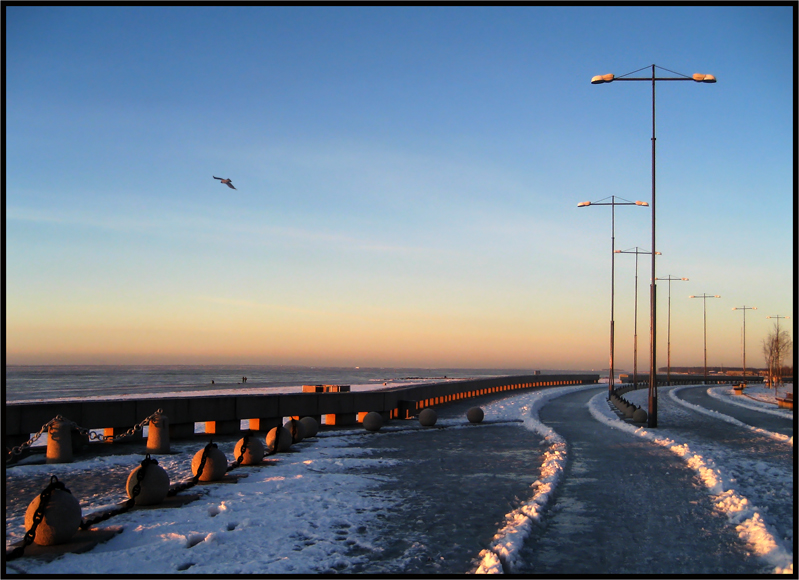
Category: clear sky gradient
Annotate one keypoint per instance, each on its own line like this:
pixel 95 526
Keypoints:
pixel 407 183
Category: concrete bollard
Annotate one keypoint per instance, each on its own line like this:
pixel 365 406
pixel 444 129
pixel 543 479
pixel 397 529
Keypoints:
pixel 296 428
pixel 475 415
pixel 254 453
pixel 283 440
pixel 373 421
pixel 158 434
pixel 215 464
pixel 640 416
pixel 153 488
pixel 428 417
pixel 311 426
pixel 61 520
pixel 59 442
pixel 629 410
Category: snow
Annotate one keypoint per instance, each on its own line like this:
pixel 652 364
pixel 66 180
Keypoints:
pixel 317 510
pixel 715 468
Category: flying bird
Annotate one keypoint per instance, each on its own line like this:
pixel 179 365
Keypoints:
pixel 225 181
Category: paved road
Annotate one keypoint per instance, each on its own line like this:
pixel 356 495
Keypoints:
pixel 626 506
pixel 767 421
pixel 455 485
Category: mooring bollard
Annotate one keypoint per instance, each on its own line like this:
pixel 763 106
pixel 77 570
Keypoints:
pixel 428 417
pixel 475 415
pixel 215 464
pixel 311 426
pixel 253 454
pixel 59 442
pixel 62 516
pixel 373 421
pixel 158 434
pixel 278 440
pixel 296 428
pixel 154 486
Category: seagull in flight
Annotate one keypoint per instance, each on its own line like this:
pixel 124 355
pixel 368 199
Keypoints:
pixel 225 181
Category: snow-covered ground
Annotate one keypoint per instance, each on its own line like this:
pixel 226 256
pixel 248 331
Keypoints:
pixel 320 509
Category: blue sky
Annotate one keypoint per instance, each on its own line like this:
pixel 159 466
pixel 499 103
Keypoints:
pixel 407 183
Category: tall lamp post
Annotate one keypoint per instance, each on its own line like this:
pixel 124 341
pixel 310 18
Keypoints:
pixel 670 279
pixel 779 349
pixel 635 251
pixel 743 344
pixel 704 298
pixel 612 203
pixel 652 420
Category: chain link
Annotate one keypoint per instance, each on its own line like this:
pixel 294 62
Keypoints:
pixel 128 504
pixel 93 436
pixel 38 516
pixel 193 481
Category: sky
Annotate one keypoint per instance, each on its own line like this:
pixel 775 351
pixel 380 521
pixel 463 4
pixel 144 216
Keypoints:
pixel 407 181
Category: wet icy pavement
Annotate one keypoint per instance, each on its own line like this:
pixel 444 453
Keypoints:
pixel 626 506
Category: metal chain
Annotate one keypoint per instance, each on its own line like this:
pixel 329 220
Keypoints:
pixel 242 451
pixel 89 522
pixel 193 481
pixel 129 433
pixel 38 516
pixel 20 448
pixel 82 430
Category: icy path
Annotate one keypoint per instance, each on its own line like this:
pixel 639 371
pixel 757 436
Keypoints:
pixel 625 506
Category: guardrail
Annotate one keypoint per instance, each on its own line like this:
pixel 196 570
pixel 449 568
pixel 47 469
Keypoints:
pixel 680 379
pixel 222 414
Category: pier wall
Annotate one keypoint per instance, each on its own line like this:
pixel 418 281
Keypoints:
pixel 223 413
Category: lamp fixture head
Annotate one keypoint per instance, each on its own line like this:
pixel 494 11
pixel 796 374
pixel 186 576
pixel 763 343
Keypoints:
pixel 701 78
pixel 599 79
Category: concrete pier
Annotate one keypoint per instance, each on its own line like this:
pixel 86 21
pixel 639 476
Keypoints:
pixel 222 414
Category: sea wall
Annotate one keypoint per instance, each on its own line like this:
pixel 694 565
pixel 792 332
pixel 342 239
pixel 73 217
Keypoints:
pixel 222 414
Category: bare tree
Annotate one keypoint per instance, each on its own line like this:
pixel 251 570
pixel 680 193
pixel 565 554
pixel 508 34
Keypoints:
pixel 776 347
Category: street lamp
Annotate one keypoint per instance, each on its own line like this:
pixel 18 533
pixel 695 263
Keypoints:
pixel 608 78
pixel 779 350
pixel 635 251
pixel 670 279
pixel 704 298
pixel 612 203
pixel 743 345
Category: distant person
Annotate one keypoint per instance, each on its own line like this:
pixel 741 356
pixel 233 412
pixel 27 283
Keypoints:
pixel 212 381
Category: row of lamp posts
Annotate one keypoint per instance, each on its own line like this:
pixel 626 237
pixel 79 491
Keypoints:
pixel 652 416
pixel 652 399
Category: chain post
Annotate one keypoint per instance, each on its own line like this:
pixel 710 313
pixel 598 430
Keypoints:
pixel 38 516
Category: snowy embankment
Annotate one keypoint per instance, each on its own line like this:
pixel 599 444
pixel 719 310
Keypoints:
pixel 503 552
pixel 747 518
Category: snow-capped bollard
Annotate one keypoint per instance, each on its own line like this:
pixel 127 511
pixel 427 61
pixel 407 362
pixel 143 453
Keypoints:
pixel 640 416
pixel 428 417
pixel 311 426
pixel 253 454
pixel 475 415
pixel 158 434
pixel 278 440
pixel 153 487
pixel 61 519
pixel 373 421
pixel 296 428
pixel 59 442
pixel 215 464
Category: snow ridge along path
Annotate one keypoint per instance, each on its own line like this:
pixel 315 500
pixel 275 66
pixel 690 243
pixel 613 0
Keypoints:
pixel 747 518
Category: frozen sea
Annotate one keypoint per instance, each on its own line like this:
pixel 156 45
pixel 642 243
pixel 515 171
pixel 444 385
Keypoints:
pixel 501 496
